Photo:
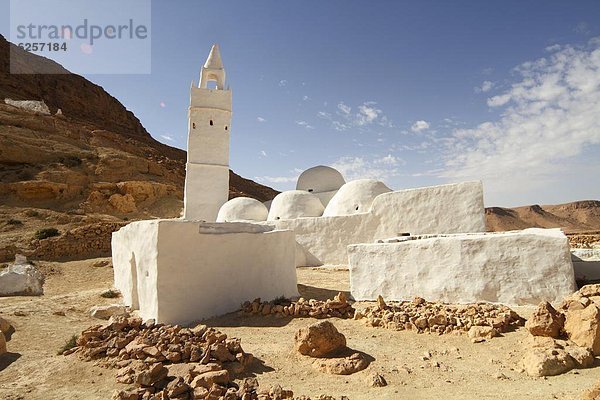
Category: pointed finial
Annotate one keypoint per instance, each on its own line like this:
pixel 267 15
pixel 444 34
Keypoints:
pixel 214 58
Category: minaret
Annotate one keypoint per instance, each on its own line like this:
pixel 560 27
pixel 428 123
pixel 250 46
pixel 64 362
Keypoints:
pixel 207 168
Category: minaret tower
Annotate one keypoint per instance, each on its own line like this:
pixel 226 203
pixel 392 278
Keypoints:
pixel 207 168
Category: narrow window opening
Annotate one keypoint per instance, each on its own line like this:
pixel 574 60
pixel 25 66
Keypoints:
pixel 356 208
pixel 193 125
pixel 211 122
pixel 310 190
pixel 225 127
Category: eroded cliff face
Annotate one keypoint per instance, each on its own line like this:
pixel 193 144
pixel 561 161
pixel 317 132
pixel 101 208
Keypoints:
pixel 92 167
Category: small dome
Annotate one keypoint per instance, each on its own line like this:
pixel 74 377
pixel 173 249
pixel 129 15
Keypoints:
pixel 320 179
pixel 295 204
pixel 242 209
pixel 355 197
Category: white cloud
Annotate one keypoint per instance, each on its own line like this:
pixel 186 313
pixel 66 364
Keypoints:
pixel 486 86
pixel 260 119
pixel 419 126
pixel 344 109
pixel 263 153
pixel 582 28
pixel 276 179
pixel 167 137
pixel 305 124
pixel 367 114
pixel 368 168
pixel 305 98
pixel 283 83
pixel 549 118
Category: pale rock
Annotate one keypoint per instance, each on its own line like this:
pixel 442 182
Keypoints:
pixel 21 279
pixel 376 380
pixel 105 312
pixel 583 357
pixel 545 321
pixel 547 362
pixel 342 366
pixel 5 326
pixel 482 332
pixel 583 327
pixel 319 340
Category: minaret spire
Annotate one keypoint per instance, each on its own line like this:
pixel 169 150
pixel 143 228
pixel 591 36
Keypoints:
pixel 213 70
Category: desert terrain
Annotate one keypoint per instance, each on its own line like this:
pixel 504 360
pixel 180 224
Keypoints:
pixel 457 368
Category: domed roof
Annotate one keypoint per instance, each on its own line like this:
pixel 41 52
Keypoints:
pixel 242 209
pixel 355 197
pixel 295 204
pixel 320 179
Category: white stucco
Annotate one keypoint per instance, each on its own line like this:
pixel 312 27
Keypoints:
pixel 185 271
pixel 515 268
pixel 295 204
pixel 322 181
pixel 243 209
pixel 355 197
pixel 209 126
pixel 452 208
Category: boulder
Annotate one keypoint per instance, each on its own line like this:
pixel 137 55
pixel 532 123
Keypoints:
pixel 5 326
pixel 342 366
pixel 21 279
pixel 105 312
pixel 583 327
pixel 319 340
pixel 582 356
pixel 547 362
pixel 482 332
pixel 545 321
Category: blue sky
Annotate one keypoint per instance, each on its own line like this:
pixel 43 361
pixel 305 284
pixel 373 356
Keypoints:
pixel 412 93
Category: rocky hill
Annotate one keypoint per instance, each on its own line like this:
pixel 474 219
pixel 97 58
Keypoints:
pixel 576 217
pixel 85 171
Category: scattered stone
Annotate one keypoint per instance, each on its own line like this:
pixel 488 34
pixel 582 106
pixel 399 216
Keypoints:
pixel 546 321
pixel 583 327
pixel 482 332
pixel 426 317
pixel 376 380
pixel 342 366
pixel 337 307
pixel 100 264
pixel 21 279
pixel 319 340
pixel 547 362
pixel 105 312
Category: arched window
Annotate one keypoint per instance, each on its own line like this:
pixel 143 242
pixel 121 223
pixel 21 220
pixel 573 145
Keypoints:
pixel 211 122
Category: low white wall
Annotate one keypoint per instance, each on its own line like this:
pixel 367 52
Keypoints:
pixel 515 268
pixel 453 208
pixel 199 270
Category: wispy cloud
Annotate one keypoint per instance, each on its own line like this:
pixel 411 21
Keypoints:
pixel 276 179
pixel 380 168
pixel 305 124
pixel 305 98
pixel 167 137
pixel 260 119
pixel 419 126
pixel 485 87
pixel 366 114
pixel 283 83
pixel 263 153
pixel 549 116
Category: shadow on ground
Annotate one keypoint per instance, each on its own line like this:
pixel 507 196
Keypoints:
pixel 7 359
pixel 312 292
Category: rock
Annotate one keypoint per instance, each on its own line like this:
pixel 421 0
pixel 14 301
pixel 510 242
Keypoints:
pixel 545 321
pixel 319 339
pixel 547 362
pixel 124 204
pixel 583 327
pixel 2 344
pixel 482 332
pixel 590 290
pixel 381 303
pixel 376 380
pixel 100 264
pixel 5 326
pixel 583 357
pixel 207 379
pixel 152 374
pixel 342 366
pixel 21 279
pixel 105 312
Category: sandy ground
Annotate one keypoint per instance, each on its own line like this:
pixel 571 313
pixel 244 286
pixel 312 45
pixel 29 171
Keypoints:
pixel 458 368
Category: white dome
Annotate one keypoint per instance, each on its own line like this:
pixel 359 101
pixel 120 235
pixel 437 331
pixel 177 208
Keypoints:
pixel 320 179
pixel 355 197
pixel 242 209
pixel 295 204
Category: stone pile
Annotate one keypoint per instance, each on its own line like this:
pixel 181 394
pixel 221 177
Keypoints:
pixel 422 316
pixel 566 338
pixel 336 307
